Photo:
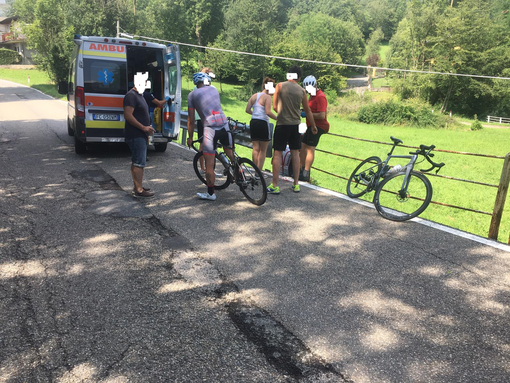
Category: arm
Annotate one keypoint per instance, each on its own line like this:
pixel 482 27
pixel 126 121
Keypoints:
pixel 309 114
pixel 158 103
pixel 319 115
pixel 191 126
pixel 128 116
pixel 250 104
pixel 267 104
pixel 276 97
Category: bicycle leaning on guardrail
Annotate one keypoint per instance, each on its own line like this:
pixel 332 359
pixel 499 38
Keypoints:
pixel 241 171
pixel 400 192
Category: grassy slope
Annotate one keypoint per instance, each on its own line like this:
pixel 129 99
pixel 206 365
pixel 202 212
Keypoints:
pixel 38 80
pixel 486 141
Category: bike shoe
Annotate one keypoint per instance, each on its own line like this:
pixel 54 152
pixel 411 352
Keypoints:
pixel 207 196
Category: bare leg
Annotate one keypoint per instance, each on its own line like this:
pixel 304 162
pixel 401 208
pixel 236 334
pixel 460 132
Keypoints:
pixel 310 156
pixel 302 154
pixel 137 175
pixel 210 177
pixel 277 164
pixel 202 165
pixel 294 155
pixel 255 153
pixel 262 154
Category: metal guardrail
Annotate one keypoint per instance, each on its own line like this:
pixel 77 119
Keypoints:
pixel 242 139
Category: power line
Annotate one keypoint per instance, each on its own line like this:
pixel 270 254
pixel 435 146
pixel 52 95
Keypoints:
pixel 315 62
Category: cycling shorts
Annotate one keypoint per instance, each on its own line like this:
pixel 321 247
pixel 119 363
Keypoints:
pixel 214 135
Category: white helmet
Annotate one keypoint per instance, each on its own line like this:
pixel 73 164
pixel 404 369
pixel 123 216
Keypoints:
pixel 310 81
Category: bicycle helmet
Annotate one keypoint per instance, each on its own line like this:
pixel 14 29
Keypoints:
pixel 310 80
pixel 201 77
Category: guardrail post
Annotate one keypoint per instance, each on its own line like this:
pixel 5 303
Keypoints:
pixel 500 199
pixel 488 118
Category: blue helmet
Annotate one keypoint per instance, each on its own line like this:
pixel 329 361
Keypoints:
pixel 201 77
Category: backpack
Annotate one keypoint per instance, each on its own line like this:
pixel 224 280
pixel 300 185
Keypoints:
pixel 286 169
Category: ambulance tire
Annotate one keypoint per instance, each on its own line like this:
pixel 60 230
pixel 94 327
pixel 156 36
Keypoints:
pixel 79 147
pixel 161 147
pixel 70 130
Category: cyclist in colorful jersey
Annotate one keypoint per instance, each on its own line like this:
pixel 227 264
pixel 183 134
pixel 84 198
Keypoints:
pixel 206 101
pixel 319 106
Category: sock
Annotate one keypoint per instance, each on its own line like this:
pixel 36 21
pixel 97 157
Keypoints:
pixel 210 190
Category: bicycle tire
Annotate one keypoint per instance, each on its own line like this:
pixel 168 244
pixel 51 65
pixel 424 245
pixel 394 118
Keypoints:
pixel 363 177
pixel 390 204
pixel 251 182
pixel 220 182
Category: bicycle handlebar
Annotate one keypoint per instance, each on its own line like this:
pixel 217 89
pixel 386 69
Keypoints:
pixel 426 152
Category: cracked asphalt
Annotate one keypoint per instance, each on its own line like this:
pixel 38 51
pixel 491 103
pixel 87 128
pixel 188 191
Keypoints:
pixel 96 286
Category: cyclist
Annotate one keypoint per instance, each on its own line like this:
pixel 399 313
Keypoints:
pixel 318 105
pixel 206 101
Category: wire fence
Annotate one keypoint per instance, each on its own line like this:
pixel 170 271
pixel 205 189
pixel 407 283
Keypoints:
pixel 502 187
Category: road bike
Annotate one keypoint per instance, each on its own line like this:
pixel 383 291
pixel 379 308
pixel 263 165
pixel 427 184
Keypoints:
pixel 241 171
pixel 400 192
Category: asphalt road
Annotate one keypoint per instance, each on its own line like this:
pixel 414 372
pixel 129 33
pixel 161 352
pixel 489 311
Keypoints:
pixel 96 286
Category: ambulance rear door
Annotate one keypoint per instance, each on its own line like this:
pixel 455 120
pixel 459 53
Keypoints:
pixel 105 85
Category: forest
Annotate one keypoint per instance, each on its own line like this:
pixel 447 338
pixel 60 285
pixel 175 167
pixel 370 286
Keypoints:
pixel 447 36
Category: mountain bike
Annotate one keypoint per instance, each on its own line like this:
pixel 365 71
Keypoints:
pixel 400 192
pixel 241 171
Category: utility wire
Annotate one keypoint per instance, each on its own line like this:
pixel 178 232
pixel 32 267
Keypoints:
pixel 316 62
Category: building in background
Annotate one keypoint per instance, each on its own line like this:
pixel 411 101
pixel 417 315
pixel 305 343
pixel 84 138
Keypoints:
pixel 12 38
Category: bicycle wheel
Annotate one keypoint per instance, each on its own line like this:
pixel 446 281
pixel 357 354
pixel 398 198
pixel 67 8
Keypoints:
pixel 363 177
pixel 251 182
pixel 223 178
pixel 394 205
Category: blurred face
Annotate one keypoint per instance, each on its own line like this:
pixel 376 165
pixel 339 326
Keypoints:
pixel 269 86
pixel 140 81
pixel 311 90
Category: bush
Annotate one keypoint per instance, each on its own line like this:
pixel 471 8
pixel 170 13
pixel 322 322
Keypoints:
pixel 476 125
pixel 9 57
pixel 398 113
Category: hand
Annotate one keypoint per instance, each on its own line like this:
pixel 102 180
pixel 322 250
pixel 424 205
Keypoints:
pixel 189 141
pixel 314 130
pixel 149 130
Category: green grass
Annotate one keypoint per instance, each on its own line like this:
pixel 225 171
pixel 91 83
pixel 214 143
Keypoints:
pixel 486 141
pixel 38 80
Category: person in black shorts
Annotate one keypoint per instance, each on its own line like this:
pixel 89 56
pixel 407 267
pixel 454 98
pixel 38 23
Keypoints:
pixel 288 98
pixel 259 106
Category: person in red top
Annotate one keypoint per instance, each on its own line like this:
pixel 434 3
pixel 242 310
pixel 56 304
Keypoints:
pixel 318 105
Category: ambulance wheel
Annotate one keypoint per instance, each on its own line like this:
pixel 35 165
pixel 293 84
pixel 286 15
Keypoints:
pixel 70 130
pixel 161 147
pixel 79 147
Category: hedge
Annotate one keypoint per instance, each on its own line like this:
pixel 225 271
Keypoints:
pixel 9 57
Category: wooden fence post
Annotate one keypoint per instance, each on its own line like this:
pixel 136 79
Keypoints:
pixel 500 199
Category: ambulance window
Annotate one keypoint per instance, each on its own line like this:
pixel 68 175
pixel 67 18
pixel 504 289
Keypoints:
pixel 105 76
pixel 172 79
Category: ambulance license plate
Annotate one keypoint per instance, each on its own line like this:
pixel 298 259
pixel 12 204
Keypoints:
pixel 106 117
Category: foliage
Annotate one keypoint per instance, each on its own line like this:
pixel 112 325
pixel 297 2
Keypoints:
pixel 322 38
pixel 374 43
pixel 9 57
pixel 476 125
pixel 393 112
pixel 467 38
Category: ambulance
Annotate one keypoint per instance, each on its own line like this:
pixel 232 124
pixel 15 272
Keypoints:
pixel 100 75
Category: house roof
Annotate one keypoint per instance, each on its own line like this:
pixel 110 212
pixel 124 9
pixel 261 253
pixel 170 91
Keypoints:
pixel 7 20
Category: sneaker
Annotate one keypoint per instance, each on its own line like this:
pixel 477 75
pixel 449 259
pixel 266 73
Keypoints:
pixel 207 196
pixel 273 190
pixel 143 194
pixel 296 188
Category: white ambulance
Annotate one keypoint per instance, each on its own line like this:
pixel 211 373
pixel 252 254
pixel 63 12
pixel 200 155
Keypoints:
pixel 101 73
